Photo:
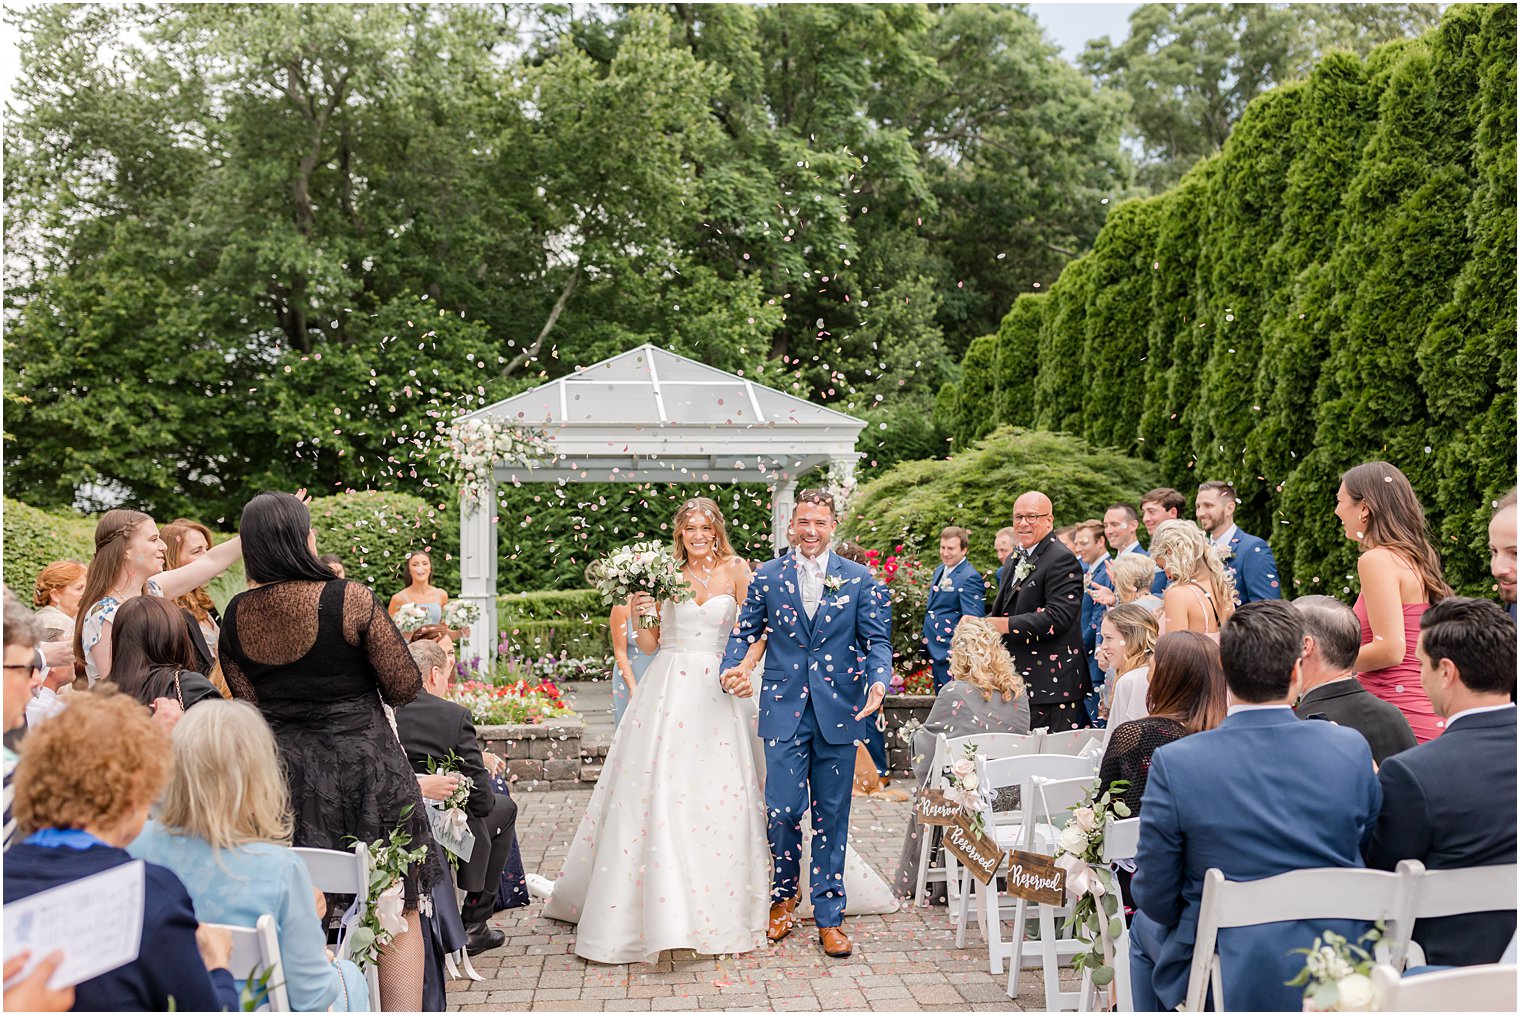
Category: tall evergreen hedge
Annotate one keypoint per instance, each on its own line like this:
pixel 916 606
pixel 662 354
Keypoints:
pixel 1337 285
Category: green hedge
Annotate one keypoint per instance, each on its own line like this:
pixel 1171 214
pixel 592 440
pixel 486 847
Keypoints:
pixel 976 489
pixel 34 539
pixel 572 621
pixel 1337 285
pixel 373 531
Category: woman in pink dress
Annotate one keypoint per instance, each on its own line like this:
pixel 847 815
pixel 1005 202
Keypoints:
pixel 1400 574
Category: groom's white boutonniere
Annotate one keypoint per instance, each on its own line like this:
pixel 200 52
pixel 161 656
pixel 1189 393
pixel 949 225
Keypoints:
pixel 1022 570
pixel 833 582
pixel 1225 552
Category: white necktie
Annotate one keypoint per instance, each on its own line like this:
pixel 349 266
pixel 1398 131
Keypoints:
pixel 810 586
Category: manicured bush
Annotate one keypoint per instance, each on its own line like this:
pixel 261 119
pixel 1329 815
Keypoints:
pixel 976 488
pixel 34 539
pixel 373 531
pixel 569 621
pixel 1337 285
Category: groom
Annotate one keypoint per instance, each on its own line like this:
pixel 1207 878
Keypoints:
pixel 827 626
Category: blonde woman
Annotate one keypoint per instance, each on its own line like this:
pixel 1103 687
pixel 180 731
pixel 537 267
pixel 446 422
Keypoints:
pixel 985 695
pixel 1129 634
pixel 1132 574
pixel 224 828
pixel 1200 595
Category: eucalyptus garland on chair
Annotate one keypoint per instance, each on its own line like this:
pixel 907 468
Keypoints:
pixel 381 919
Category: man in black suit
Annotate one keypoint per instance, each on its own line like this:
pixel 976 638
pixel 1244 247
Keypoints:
pixel 1038 610
pixel 1450 803
pixel 431 727
pixel 1332 638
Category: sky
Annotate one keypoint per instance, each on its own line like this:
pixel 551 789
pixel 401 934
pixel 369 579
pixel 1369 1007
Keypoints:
pixel 1072 25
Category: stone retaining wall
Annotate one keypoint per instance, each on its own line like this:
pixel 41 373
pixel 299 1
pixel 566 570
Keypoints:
pixel 543 755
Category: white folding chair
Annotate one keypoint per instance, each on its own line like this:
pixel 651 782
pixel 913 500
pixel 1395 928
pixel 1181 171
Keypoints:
pixel 1470 988
pixel 1071 741
pixel 1454 893
pixel 336 872
pixel 1326 893
pixel 996 774
pixel 1121 841
pixel 1051 801
pixel 989 745
pixel 255 956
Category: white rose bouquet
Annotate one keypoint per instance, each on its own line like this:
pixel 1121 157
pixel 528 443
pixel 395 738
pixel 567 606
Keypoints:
pixel 642 567
pixel 460 614
pixel 966 790
pixel 411 617
pixel 1337 974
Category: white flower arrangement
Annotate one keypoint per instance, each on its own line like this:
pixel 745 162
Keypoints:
pixel 381 920
pixel 1337 974
pixel 1090 883
pixel 833 582
pixel 642 567
pixel 411 616
pixel 460 614
pixel 965 790
pixel 475 447
pixel 1023 569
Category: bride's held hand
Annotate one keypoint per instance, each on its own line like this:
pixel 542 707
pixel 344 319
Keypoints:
pixel 736 682
pixel 641 604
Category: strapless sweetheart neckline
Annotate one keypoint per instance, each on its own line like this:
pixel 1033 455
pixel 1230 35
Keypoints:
pixel 720 595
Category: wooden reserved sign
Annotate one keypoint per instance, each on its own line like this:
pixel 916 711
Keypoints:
pixel 979 853
pixel 1033 877
pixel 934 809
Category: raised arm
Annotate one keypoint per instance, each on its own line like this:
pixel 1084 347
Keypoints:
pixel 191 576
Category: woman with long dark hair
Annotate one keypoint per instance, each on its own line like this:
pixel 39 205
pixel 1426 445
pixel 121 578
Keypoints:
pixel 1400 573
pixel 319 655
pixel 151 655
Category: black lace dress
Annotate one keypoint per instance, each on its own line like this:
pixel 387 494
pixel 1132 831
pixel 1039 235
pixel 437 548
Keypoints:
pixel 318 658
pixel 1128 757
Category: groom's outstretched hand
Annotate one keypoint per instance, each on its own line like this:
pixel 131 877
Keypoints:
pixel 873 700
pixel 736 682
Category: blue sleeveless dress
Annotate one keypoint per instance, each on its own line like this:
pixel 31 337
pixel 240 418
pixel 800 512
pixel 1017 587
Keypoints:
pixel 639 662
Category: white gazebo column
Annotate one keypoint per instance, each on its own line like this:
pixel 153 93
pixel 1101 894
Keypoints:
pixel 783 500
pixel 841 480
pixel 477 572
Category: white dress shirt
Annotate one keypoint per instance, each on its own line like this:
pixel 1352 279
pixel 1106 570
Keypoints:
pixel 1223 542
pixel 1245 706
pixel 810 574
pixel 1474 711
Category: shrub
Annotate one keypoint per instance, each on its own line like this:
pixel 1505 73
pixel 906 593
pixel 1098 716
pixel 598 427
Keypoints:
pixel 34 539
pixel 570 622
pixel 374 531
pixel 976 489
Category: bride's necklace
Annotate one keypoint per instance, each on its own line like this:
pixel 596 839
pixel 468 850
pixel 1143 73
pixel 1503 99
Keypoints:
pixel 691 571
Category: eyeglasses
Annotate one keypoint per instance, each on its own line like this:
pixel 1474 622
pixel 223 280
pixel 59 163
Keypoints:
pixel 28 668
pixel 1030 518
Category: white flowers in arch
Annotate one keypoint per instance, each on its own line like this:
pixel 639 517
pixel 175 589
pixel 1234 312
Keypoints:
pixel 476 446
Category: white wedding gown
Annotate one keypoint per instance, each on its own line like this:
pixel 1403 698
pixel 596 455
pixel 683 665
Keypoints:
pixel 672 852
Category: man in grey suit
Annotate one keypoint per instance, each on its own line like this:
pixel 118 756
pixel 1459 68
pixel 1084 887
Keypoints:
pixel 1332 638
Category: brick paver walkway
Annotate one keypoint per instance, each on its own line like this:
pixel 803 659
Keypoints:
pixel 905 961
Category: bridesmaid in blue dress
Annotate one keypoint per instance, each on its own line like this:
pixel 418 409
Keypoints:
pixel 420 589
pixel 629 663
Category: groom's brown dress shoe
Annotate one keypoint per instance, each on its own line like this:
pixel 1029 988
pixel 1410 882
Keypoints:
pixel 781 919
pixel 835 944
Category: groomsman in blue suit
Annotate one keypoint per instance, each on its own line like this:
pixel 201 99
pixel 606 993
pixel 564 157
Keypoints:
pixel 956 591
pixel 1262 794
pixel 1157 506
pixel 825 627
pixel 1248 558
pixel 1092 554
pixel 1448 803
pixel 1501 551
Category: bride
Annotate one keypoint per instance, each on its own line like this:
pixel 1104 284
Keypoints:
pixel 671 852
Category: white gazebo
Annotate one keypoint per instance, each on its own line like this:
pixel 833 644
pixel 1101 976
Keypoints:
pixel 648 415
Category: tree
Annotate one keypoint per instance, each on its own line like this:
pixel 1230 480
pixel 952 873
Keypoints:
pixel 1191 69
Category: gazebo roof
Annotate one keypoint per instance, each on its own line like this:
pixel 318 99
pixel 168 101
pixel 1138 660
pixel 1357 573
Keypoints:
pixel 648 411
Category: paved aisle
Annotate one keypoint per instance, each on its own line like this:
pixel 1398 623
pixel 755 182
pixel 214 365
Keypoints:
pixel 903 962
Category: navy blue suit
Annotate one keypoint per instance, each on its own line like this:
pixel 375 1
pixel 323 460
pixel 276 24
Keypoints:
pixel 818 672
pixel 1262 794
pixel 965 597
pixel 168 964
pixel 1092 625
pixel 1254 569
pixel 1446 803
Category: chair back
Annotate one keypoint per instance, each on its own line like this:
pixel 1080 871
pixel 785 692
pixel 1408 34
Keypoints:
pixel 1471 988
pixel 1326 893
pixel 991 745
pixel 1002 772
pixel 1462 891
pixel 335 871
pixel 1050 808
pixel 1121 839
pixel 256 955
pixel 1070 741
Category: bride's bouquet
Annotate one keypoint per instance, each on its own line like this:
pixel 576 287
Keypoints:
pixel 643 567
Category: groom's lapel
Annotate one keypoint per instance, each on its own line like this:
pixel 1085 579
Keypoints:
pixel 836 568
